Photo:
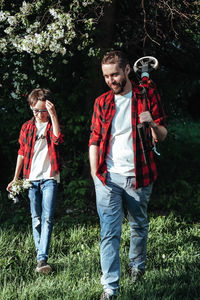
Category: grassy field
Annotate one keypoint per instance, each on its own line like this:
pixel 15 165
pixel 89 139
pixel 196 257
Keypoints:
pixel 173 256
pixel 173 262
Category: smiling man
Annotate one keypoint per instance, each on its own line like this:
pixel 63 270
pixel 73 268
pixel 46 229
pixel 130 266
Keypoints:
pixel 38 156
pixel 121 176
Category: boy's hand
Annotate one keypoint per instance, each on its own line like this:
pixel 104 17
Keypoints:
pixel 10 185
pixel 50 108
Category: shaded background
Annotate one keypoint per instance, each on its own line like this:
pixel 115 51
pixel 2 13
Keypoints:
pixel 167 30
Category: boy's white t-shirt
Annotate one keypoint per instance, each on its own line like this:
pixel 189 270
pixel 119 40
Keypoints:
pixel 40 165
pixel 120 158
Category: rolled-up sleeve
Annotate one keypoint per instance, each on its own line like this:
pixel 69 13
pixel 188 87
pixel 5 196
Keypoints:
pixel 95 136
pixel 157 110
pixel 57 140
pixel 22 141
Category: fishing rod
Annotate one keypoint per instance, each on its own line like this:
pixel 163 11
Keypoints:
pixel 142 67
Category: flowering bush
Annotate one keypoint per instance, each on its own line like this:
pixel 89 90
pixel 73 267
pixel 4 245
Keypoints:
pixel 18 187
pixel 53 28
pixel 43 36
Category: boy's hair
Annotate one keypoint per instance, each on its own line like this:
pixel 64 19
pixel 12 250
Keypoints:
pixel 114 57
pixel 39 95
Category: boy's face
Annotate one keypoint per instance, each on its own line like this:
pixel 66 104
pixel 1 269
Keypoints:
pixel 40 112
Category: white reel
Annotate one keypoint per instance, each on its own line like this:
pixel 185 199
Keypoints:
pixel 145 65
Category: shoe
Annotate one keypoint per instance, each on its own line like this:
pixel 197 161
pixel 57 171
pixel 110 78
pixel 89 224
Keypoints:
pixel 106 296
pixel 136 274
pixel 43 267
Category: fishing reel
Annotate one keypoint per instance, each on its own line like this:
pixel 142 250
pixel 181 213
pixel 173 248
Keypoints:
pixel 145 65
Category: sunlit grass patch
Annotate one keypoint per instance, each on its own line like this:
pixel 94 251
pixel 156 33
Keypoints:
pixel 173 257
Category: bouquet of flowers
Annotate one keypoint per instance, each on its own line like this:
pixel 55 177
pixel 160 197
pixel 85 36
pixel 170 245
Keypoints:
pixel 18 187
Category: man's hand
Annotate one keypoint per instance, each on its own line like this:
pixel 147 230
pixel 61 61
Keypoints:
pixel 159 132
pixel 93 157
pixel 145 117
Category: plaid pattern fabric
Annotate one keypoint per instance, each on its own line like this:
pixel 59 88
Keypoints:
pixel 104 110
pixel 27 143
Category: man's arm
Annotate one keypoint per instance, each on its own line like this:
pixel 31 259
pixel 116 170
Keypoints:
pixel 159 132
pixel 93 158
pixel 18 168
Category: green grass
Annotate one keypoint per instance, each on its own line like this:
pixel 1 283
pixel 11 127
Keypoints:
pixel 173 262
pixel 173 256
pixel 178 186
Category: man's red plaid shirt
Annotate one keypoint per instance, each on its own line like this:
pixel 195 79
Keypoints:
pixel 27 143
pixel 104 110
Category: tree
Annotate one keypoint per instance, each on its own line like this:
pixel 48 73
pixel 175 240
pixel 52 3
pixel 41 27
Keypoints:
pixel 49 44
pixel 58 44
pixel 168 30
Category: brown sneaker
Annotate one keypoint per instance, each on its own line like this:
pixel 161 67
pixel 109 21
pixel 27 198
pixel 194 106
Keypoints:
pixel 136 274
pixel 106 296
pixel 43 267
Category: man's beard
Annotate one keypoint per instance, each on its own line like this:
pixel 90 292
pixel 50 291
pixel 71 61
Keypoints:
pixel 121 87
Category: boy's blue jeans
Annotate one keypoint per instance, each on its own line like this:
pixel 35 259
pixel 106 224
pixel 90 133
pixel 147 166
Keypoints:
pixel 110 198
pixel 42 197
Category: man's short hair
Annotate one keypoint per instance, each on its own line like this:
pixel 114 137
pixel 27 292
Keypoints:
pixel 114 57
pixel 39 95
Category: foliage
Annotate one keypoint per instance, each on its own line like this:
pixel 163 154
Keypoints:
pixel 172 262
pixel 160 22
pixel 36 35
pixel 47 44
pixel 177 187
pixel 168 30
pixel 58 45
pixel 48 25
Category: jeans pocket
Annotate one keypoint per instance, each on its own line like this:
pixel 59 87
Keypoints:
pixel 147 191
pixel 95 179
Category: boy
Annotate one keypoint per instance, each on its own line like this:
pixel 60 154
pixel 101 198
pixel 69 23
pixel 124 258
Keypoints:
pixel 39 157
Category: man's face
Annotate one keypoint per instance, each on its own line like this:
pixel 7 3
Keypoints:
pixel 40 112
pixel 116 78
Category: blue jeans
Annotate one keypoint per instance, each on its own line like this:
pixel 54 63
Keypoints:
pixel 42 197
pixel 110 198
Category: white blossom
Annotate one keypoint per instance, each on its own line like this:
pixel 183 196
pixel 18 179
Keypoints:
pixel 18 187
pixel 26 184
pixel 9 30
pixel 53 12
pixel 56 36
pixel 26 8
pixel 4 16
pixel 13 197
pixel 12 20
pixel 63 51
pixel 3 45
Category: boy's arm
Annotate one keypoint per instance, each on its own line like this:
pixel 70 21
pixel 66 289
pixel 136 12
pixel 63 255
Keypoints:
pixel 18 168
pixel 54 119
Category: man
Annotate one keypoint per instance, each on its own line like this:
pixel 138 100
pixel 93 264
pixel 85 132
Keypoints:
pixel 39 157
pixel 118 167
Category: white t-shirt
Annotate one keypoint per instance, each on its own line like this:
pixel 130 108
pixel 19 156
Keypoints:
pixel 120 158
pixel 40 165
